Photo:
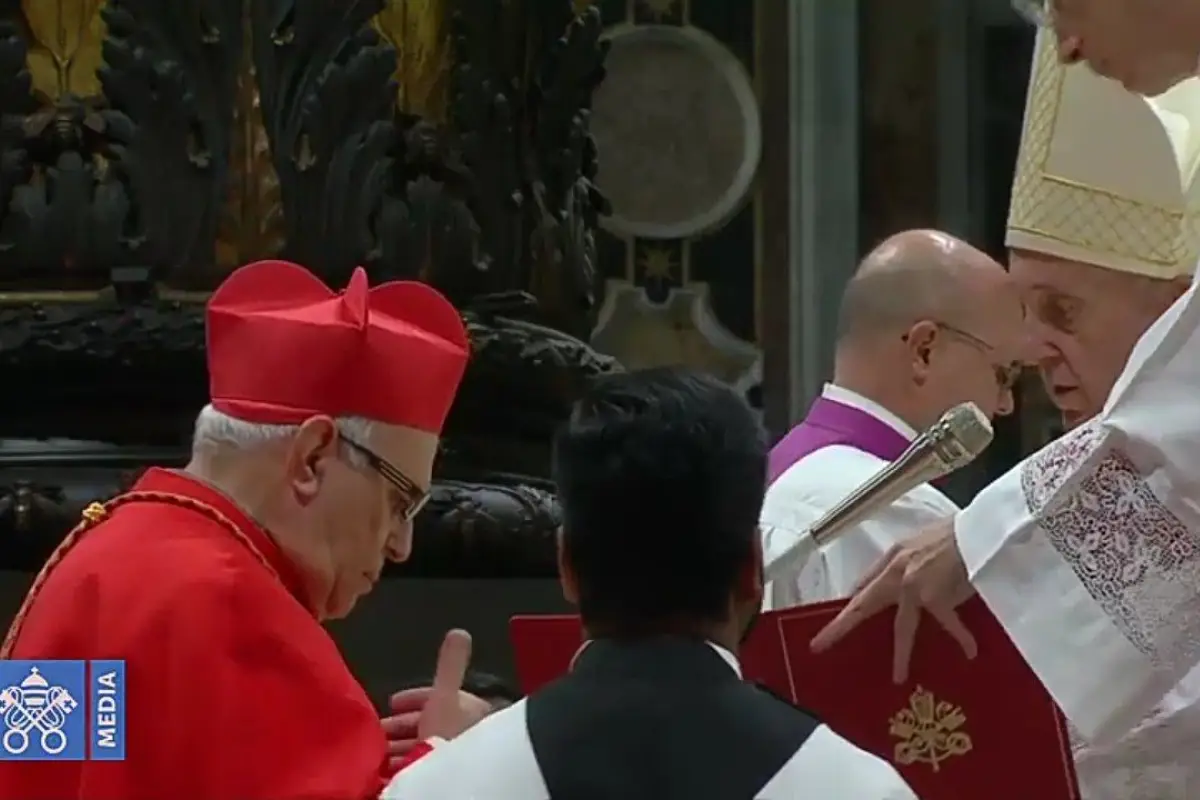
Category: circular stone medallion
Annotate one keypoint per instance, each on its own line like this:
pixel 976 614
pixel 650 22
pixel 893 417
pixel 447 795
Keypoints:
pixel 677 128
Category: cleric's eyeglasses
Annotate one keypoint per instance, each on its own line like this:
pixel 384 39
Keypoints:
pixel 1036 12
pixel 1007 375
pixel 414 496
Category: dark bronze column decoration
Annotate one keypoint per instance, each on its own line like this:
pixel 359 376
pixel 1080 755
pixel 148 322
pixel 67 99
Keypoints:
pixel 148 147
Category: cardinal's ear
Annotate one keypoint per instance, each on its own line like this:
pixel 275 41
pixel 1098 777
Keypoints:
pixel 310 453
pixel 566 575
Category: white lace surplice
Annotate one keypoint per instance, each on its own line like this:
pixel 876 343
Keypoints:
pixel 1158 760
pixel 1088 552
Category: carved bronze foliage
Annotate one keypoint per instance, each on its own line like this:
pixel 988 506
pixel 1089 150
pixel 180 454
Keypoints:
pixel 170 71
pixel 252 223
pixel 327 100
pixel 124 163
pixel 520 98
pixel 146 147
pixel 496 201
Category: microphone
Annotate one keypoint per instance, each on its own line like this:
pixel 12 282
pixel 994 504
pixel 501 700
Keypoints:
pixel 961 434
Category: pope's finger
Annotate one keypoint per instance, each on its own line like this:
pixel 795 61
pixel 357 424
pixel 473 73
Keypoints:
pixel 876 569
pixel 878 595
pixel 948 618
pixel 453 659
pixel 904 634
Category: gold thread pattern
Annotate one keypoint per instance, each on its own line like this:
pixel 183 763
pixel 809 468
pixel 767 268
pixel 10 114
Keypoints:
pixel 1097 219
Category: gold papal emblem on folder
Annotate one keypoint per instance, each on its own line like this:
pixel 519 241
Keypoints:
pixel 929 730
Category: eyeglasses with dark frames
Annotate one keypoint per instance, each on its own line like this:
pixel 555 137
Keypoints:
pixel 415 495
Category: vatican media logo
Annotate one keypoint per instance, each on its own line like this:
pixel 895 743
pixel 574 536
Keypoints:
pixel 44 717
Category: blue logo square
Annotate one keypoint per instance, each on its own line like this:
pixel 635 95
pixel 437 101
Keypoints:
pixel 41 710
pixel 107 710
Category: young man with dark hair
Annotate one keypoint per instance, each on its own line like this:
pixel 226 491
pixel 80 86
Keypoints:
pixel 661 476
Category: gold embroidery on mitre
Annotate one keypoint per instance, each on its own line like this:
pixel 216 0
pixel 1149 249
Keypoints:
pixel 929 731
pixel 1105 176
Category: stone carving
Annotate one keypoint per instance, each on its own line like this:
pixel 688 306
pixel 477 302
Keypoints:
pixel 678 122
pixel 681 329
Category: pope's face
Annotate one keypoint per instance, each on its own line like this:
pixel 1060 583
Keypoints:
pixel 1147 45
pixel 1083 321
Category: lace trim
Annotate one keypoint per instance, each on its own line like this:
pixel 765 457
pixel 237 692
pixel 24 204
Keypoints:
pixel 96 513
pixel 1156 761
pixel 1135 557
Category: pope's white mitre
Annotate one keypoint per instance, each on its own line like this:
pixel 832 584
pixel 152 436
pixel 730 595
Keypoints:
pixel 1105 176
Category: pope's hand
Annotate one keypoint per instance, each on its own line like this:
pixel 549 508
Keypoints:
pixel 442 709
pixel 924 572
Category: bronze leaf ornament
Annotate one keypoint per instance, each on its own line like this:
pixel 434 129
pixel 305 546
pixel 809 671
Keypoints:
pixel 65 46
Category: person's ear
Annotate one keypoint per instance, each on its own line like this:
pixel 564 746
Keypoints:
pixel 749 587
pixel 566 575
pixel 310 454
pixel 920 340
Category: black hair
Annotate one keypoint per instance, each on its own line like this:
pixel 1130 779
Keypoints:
pixel 487 686
pixel 661 475
pixel 484 685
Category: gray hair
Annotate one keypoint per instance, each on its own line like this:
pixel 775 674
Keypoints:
pixel 215 429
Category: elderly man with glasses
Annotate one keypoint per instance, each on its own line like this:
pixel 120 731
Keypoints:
pixel 1088 551
pixel 927 322
pixel 1147 45
pixel 211 582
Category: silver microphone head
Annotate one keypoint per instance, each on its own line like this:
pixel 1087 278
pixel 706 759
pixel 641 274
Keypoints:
pixel 960 435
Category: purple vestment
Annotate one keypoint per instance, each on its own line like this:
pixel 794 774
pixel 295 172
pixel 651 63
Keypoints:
pixel 831 423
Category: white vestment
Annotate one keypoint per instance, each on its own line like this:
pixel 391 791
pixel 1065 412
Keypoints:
pixel 1159 759
pixel 1088 553
pixel 814 485
pixel 496 760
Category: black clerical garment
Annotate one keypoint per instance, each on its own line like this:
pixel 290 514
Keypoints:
pixel 656 719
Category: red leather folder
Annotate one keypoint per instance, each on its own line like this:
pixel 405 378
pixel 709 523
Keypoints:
pixel 983 729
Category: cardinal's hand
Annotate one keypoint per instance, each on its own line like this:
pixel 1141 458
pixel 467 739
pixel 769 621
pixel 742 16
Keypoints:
pixel 442 710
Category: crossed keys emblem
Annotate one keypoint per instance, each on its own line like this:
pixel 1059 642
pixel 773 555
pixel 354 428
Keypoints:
pixel 35 705
pixel 930 731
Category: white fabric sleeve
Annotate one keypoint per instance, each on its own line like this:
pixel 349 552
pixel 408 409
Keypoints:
pixel 805 493
pixel 784 525
pixel 1088 551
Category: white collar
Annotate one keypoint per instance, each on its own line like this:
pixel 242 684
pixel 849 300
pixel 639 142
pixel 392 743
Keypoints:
pixel 846 397
pixel 726 656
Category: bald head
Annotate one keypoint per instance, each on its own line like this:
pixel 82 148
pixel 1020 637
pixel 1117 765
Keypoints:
pixel 917 274
pixel 929 322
